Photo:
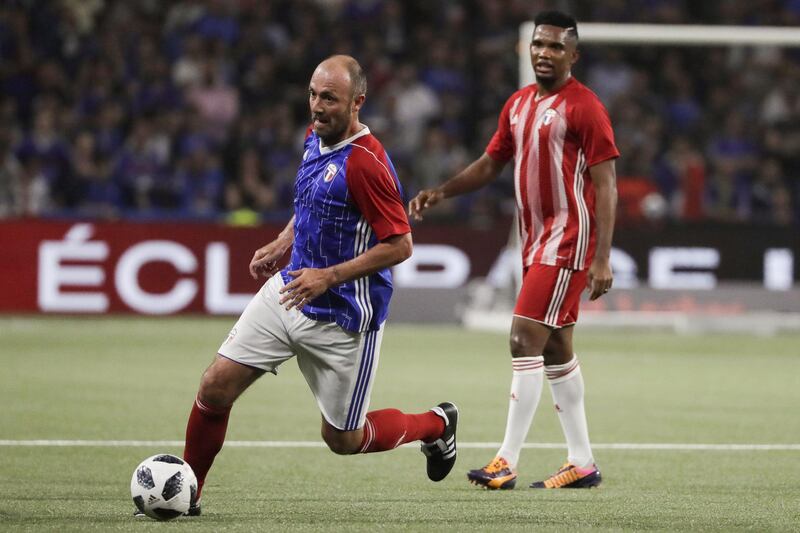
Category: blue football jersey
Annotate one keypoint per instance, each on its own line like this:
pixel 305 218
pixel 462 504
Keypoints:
pixel 347 199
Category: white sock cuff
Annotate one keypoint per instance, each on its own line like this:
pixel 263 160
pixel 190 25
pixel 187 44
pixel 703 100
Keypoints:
pixel 567 371
pixel 527 365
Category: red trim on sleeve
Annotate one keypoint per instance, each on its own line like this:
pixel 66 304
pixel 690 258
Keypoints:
pixel 374 190
pixel 501 146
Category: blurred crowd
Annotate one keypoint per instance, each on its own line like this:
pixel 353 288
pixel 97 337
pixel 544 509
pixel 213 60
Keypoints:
pixel 196 109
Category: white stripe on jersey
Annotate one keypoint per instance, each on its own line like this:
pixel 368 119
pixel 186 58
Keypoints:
pixel 582 241
pixel 562 284
pixel 560 205
pixel 532 181
pixel 363 234
pixel 518 160
pixel 531 185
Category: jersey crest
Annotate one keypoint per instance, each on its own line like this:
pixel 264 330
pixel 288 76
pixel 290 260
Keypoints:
pixel 330 172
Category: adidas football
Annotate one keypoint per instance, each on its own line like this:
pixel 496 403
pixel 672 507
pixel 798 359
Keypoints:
pixel 163 487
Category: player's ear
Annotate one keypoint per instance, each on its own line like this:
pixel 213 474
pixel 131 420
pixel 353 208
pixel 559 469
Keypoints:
pixel 576 54
pixel 358 101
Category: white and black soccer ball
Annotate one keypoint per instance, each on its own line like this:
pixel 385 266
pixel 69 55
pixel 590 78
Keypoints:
pixel 163 486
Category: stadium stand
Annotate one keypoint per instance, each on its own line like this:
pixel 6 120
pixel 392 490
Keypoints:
pixel 193 109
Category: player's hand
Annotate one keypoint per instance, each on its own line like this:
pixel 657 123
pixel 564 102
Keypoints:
pixel 265 259
pixel 423 200
pixel 308 283
pixel 599 278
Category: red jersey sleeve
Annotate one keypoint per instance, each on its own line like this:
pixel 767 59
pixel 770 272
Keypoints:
pixel 501 146
pixel 376 194
pixel 593 127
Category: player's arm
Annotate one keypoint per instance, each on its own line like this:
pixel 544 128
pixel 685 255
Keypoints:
pixel 375 193
pixel 265 260
pixel 308 283
pixel 604 178
pixel 480 172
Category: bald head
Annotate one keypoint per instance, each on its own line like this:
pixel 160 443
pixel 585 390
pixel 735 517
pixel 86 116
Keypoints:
pixel 347 69
pixel 335 95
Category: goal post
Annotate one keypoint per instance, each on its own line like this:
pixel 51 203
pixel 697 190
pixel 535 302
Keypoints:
pixel 663 35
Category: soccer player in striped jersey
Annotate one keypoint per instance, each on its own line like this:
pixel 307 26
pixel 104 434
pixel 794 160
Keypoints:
pixel 328 306
pixel 559 136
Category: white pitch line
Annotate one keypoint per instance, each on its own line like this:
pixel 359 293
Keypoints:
pixel 476 445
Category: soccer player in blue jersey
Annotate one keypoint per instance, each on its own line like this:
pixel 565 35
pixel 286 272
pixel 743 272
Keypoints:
pixel 328 306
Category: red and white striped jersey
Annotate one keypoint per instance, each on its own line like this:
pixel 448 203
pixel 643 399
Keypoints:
pixel 554 140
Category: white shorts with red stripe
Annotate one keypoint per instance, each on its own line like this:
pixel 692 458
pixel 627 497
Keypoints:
pixel 550 295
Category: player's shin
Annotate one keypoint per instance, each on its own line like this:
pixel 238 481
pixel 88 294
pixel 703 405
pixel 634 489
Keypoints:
pixel 566 385
pixel 386 429
pixel 205 434
pixel 526 389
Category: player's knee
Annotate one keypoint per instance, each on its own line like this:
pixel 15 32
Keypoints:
pixel 557 351
pixel 560 357
pixel 553 349
pixel 215 389
pixel 340 447
pixel 527 338
pixel 340 442
pixel 521 345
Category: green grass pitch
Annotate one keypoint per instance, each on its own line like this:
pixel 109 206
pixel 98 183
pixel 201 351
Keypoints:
pixel 135 379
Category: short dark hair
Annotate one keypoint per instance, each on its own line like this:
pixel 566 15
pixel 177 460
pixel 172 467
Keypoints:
pixel 358 77
pixel 559 20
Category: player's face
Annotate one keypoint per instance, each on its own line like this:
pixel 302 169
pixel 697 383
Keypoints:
pixel 553 52
pixel 330 99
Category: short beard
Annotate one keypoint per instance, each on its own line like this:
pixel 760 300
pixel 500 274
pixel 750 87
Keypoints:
pixel 335 137
pixel 545 83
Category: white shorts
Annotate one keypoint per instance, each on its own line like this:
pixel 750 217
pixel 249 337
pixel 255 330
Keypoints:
pixel 338 365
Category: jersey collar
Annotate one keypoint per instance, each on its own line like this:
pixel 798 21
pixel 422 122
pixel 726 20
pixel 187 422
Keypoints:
pixel 538 98
pixel 328 149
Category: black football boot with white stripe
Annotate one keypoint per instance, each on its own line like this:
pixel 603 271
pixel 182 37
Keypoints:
pixel 441 453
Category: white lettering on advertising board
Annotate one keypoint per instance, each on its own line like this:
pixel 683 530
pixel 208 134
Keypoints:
pixel 54 275
pixel 73 271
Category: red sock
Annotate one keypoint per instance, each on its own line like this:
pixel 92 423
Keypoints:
pixel 389 428
pixel 205 434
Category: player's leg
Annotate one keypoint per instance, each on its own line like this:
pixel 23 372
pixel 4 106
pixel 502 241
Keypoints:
pixel 533 321
pixel 383 430
pixel 528 338
pixel 340 368
pixel 339 441
pixel 386 429
pixel 222 383
pixel 563 373
pixel 257 344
